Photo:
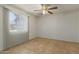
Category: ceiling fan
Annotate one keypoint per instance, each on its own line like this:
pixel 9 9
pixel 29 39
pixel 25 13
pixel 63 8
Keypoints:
pixel 45 9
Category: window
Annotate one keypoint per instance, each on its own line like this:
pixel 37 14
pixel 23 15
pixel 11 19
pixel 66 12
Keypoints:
pixel 12 21
pixel 17 22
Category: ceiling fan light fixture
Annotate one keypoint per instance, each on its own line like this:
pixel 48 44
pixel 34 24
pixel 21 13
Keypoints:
pixel 44 9
pixel 44 12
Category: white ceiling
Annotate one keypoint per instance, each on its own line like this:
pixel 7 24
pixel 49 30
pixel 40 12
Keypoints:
pixel 61 7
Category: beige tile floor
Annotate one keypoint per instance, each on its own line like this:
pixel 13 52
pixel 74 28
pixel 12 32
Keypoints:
pixel 48 46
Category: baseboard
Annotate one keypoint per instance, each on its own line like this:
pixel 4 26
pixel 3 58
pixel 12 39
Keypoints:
pixel 55 39
pixel 33 38
pixel 1 49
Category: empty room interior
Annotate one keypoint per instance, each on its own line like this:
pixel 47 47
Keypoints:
pixel 39 28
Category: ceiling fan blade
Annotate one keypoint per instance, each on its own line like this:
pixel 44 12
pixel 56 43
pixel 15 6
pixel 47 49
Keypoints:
pixel 37 10
pixel 53 8
pixel 42 4
pixel 50 12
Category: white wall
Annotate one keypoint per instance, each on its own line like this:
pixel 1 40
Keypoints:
pixel 32 27
pixel 1 28
pixel 64 26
